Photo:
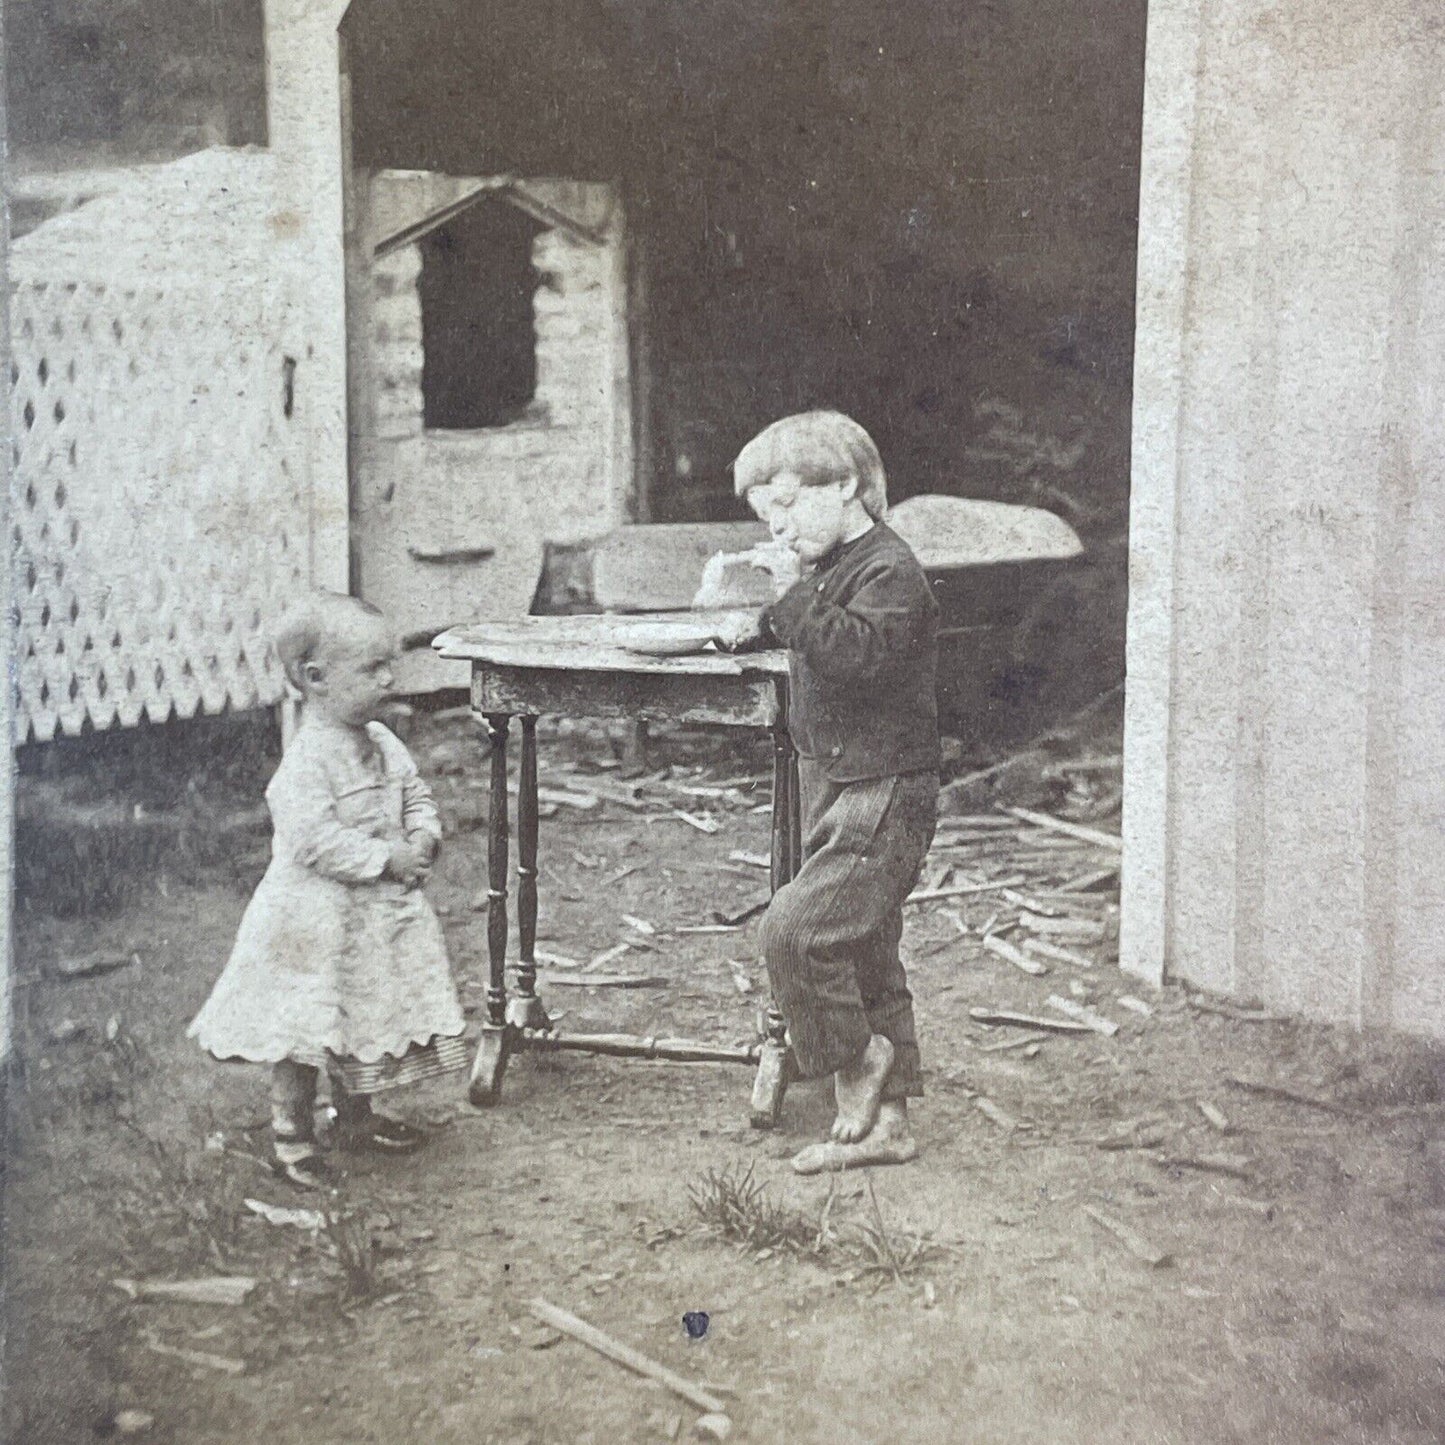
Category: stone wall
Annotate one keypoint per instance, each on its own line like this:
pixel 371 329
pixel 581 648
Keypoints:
pixel 450 524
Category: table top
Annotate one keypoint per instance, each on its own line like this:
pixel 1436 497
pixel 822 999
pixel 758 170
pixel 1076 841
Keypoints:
pixel 596 643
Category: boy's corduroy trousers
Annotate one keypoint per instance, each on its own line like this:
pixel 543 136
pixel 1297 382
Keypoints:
pixel 830 937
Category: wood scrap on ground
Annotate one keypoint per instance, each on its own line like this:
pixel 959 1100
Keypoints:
pixel 1215 1115
pixel 213 1290
pixel 1027 1021
pixel 224 1364
pixel 624 1355
pixel 995 1115
pixel 1236 1166
pixel 609 980
pixel 1291 1096
pixel 1137 1244
pixel 1083 1014
pixel 1020 960
pixel 1046 949
pixel 1070 830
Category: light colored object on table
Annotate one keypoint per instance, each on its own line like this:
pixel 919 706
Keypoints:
pixel 660 638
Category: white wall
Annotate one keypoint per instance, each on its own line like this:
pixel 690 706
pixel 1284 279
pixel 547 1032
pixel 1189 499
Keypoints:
pixel 1285 731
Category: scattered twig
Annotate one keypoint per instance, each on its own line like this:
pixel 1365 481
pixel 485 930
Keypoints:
pixel 609 980
pixel 1292 1096
pixel 1010 954
pixel 624 1355
pixel 1027 1021
pixel 753 860
pixel 996 1115
pixel 1234 1011
pixel 1045 949
pixel 929 895
pixel 1084 1015
pixel 1236 1166
pixel 1023 1041
pixel 226 1364
pixel 1071 830
pixel 1216 1116
pixel 1137 1245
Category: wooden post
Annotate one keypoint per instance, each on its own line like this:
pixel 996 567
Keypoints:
pixel 525 1010
pixel 497 835
pixel 495 1045
pixel 775 1065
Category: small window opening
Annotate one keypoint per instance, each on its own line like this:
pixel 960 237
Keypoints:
pixel 479 366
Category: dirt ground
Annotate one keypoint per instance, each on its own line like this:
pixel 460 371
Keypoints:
pixel 1303 1299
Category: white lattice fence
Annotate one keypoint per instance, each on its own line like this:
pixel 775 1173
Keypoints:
pixel 161 499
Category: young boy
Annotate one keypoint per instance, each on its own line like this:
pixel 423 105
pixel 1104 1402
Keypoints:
pixel 861 630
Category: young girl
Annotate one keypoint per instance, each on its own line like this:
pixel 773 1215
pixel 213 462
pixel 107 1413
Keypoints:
pixel 339 962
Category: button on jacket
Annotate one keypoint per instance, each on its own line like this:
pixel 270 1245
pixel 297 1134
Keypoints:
pixel 862 639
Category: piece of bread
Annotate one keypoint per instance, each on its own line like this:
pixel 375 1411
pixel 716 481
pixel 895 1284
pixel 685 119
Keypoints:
pixel 743 579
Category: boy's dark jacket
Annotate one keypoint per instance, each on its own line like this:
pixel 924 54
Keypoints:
pixel 862 638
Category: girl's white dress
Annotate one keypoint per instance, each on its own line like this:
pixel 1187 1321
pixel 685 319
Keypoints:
pixel 332 961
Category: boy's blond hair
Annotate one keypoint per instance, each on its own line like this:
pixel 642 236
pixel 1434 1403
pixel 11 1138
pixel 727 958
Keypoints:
pixel 818 447
pixel 303 629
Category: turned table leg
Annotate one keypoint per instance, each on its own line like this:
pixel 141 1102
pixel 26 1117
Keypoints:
pixel 525 1010
pixel 775 1067
pixel 492 1050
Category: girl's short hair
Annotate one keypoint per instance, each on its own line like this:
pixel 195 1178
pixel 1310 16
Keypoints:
pixel 302 630
pixel 818 447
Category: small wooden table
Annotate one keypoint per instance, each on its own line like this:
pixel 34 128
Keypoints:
pixel 573 666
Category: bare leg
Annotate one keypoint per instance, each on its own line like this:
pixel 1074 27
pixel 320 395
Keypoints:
pixel 858 1088
pixel 889 1141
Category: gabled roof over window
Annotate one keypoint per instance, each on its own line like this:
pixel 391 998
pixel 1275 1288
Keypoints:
pixel 507 188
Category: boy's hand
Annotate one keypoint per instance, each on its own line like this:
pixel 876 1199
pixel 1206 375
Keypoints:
pixel 405 864
pixel 781 563
pixel 735 629
pixel 426 844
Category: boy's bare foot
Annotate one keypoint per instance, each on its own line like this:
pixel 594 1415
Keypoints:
pixel 889 1141
pixel 857 1088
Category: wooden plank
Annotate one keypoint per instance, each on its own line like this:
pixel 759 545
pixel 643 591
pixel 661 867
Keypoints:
pixel 930 895
pixel 1071 830
pixel 1086 1016
pixel 1045 949
pixel 1010 954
